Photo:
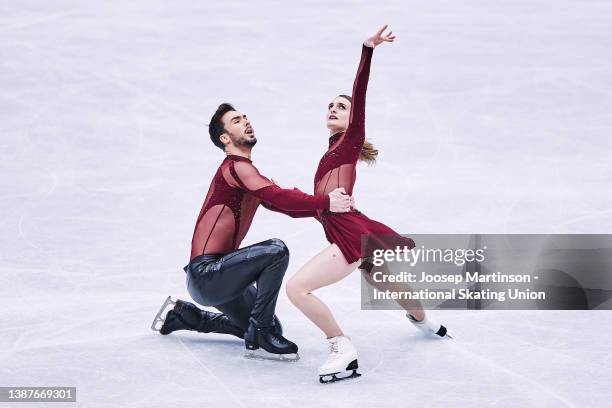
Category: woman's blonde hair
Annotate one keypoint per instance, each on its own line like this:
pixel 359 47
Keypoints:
pixel 368 152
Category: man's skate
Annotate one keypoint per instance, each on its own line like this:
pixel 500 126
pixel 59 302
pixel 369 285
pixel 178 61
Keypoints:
pixel 160 317
pixel 428 327
pixel 266 343
pixel 342 358
pixel 187 316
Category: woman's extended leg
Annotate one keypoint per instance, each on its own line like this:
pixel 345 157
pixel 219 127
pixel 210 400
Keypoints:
pixel 413 307
pixel 325 268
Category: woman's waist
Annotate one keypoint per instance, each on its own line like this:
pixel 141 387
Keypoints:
pixel 327 216
pixel 351 213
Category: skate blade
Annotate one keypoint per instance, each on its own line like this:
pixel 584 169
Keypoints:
pixel 261 354
pixel 158 321
pixel 437 337
pixel 443 333
pixel 334 378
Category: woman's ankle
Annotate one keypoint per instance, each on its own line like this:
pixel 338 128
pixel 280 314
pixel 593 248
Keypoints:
pixel 416 315
pixel 338 334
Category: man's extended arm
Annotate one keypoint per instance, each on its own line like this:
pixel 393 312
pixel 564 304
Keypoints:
pixel 291 213
pixel 248 178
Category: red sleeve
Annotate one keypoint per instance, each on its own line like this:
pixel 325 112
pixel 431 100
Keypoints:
pixel 248 178
pixel 356 127
pixel 292 214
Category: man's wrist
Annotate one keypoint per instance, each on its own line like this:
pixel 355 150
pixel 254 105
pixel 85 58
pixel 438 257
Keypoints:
pixel 323 203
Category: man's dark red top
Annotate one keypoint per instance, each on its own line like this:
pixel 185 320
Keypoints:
pixel 234 194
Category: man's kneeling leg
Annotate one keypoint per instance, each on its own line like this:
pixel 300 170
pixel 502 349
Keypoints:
pixel 187 316
pixel 239 310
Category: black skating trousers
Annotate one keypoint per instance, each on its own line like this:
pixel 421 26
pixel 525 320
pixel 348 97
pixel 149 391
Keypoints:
pixel 226 281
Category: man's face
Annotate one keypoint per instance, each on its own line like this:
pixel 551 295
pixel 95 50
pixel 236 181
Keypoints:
pixel 238 129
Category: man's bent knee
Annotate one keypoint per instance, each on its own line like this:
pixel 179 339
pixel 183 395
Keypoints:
pixel 278 247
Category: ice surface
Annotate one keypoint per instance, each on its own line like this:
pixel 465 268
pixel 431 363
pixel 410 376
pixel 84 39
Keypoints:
pixel 490 117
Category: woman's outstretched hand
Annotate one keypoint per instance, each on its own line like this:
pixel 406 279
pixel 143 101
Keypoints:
pixel 379 38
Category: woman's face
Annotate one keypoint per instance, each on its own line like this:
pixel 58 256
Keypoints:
pixel 338 113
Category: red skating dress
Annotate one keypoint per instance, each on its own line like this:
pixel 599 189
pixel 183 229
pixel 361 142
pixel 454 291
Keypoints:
pixel 234 194
pixel 337 168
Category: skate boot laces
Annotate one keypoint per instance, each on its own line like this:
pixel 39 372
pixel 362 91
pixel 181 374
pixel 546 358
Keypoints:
pixel 333 350
pixel 334 353
pixel 332 357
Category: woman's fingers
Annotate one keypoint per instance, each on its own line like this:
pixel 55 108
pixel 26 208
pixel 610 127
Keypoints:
pixel 347 203
pixel 379 32
pixel 380 37
pixel 389 37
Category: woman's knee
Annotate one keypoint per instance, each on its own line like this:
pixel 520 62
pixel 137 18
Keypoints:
pixel 295 291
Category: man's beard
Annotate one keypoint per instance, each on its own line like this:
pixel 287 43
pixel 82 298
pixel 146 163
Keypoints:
pixel 248 142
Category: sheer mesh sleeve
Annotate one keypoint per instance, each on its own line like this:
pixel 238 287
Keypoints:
pixel 292 214
pixel 247 177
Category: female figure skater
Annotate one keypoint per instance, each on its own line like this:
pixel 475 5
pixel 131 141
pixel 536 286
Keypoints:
pixel 347 145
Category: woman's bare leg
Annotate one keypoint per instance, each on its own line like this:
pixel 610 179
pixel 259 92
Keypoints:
pixel 325 268
pixel 413 307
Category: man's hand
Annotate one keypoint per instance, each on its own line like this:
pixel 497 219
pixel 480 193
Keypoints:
pixel 379 38
pixel 339 201
pixel 353 206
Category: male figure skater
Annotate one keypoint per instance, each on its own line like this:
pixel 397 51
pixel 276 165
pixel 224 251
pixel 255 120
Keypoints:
pixel 221 275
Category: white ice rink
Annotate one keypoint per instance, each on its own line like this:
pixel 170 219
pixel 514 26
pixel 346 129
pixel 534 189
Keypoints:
pixel 491 117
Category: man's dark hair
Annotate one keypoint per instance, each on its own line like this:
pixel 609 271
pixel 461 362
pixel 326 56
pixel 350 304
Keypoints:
pixel 215 127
